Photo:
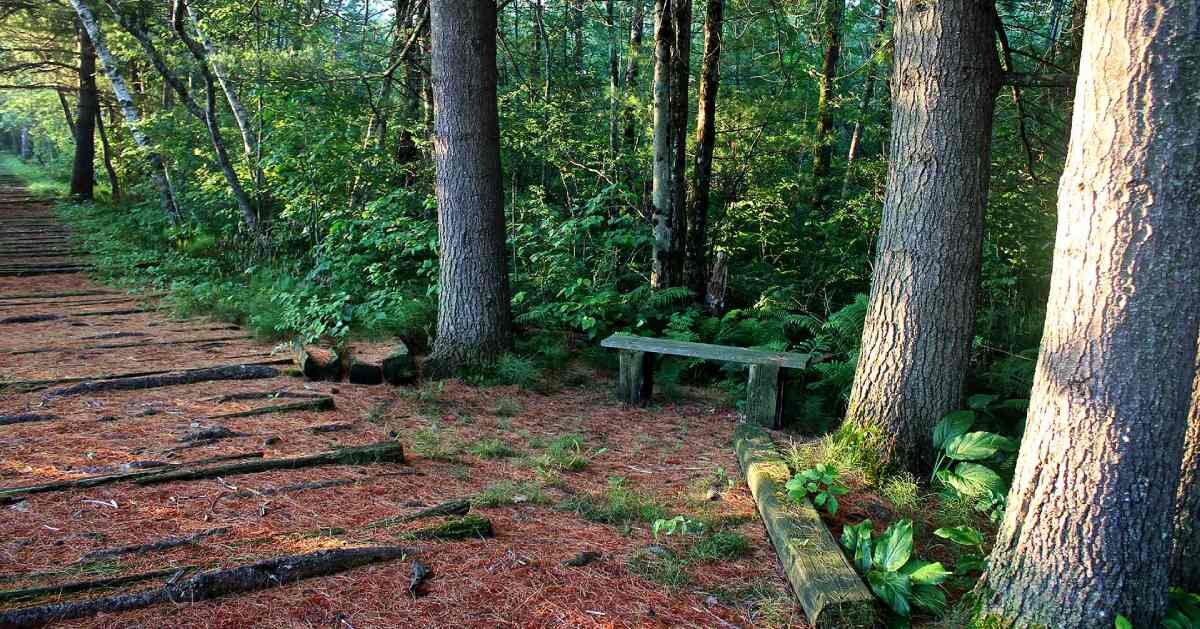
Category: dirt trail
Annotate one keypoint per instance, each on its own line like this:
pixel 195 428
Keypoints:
pixel 59 328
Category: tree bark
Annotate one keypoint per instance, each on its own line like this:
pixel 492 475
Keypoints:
pixel 681 56
pixel 474 320
pixel 868 95
pixel 660 195
pixel 158 169
pixel 1084 535
pixel 696 267
pixel 636 26
pixel 823 156
pixel 114 184
pixel 1185 569
pixel 614 82
pixel 83 169
pixel 917 338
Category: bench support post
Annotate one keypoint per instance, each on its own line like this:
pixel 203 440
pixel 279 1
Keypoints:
pixel 635 382
pixel 764 396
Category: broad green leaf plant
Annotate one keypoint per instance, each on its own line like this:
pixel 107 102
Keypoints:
pixel 819 482
pixel 894 575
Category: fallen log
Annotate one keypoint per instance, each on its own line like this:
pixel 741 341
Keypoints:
pixel 829 590
pixel 271 491
pixel 319 363
pixel 212 584
pixel 37 385
pixel 31 271
pixel 468 527
pixel 163 544
pixel 399 367
pixel 191 376
pixel 263 395
pixel 210 434
pixel 451 508
pixel 23 418
pixel 84 586
pixel 112 313
pixel 388 451
pixel 86 348
pixel 37 318
pixel 323 403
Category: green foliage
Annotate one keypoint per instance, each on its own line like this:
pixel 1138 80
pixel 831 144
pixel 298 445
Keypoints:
pixel 491 449
pixel 819 482
pixel 891 571
pixel 902 491
pixel 720 546
pixel 507 493
pixel 516 370
pixel 678 525
pixel 507 407
pixel 967 461
pixel 618 506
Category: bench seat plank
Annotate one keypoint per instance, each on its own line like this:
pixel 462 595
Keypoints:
pixel 706 351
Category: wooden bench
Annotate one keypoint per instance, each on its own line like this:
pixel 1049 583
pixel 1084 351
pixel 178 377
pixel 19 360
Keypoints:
pixel 764 399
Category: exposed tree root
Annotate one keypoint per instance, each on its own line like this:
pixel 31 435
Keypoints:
pixel 163 544
pixel 212 584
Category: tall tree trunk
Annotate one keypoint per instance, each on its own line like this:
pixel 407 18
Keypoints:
pixel 1185 569
pixel 681 56
pixel 696 274
pixel 636 26
pixel 614 82
pixel 660 196
pixel 113 183
pixel 474 320
pixel 864 108
pixel 158 169
pixel 577 33
pixel 822 158
pixel 917 338
pixel 83 169
pixel 1083 537
pixel 25 145
pixel 66 107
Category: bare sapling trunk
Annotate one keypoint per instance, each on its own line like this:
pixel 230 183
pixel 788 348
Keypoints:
pixel 83 170
pixel 660 195
pixel 158 170
pixel 474 322
pixel 868 95
pixel 114 184
pixel 917 339
pixel 1086 534
pixel 823 156
pixel 696 267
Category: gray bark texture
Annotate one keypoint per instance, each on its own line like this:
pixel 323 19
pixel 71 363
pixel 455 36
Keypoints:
pixel 1086 533
pixel 158 170
pixel 823 156
pixel 681 55
pixel 631 72
pixel 660 195
pixel 917 339
pixel 474 320
pixel 1185 558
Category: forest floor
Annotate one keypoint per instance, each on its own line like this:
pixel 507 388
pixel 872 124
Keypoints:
pixel 557 473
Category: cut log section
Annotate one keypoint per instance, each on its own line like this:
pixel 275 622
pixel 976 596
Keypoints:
pixel 319 363
pixel 364 373
pixel 830 591
pixel 212 584
pixel 400 367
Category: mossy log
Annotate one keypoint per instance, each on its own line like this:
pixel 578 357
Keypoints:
pixel 190 376
pixel 830 591
pixel 469 527
pixel 451 508
pixel 212 584
pixel 388 451
pixel 84 586
pixel 400 367
pixel 319 363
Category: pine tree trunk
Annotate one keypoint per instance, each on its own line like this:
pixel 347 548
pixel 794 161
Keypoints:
pixel 614 82
pixel 474 322
pixel 681 56
pixel 917 338
pixel 636 25
pixel 1084 535
pixel 660 195
pixel 158 170
pixel 83 169
pixel 832 39
pixel 1185 568
pixel 864 107
pixel 696 268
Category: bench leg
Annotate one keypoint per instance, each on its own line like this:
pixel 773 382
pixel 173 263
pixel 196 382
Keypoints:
pixel 635 382
pixel 764 396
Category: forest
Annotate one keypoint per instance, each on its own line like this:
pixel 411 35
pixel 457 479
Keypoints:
pixel 900 301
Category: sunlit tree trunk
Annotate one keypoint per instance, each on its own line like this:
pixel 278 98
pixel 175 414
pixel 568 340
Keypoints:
pixel 696 275
pixel 1086 534
pixel 1185 569
pixel 83 170
pixel 158 171
pixel 660 195
pixel 474 324
pixel 114 184
pixel 636 26
pixel 823 156
pixel 681 56
pixel 864 109
pixel 614 81
pixel 917 338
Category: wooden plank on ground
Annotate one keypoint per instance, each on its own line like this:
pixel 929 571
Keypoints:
pixel 830 591
pixel 706 351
